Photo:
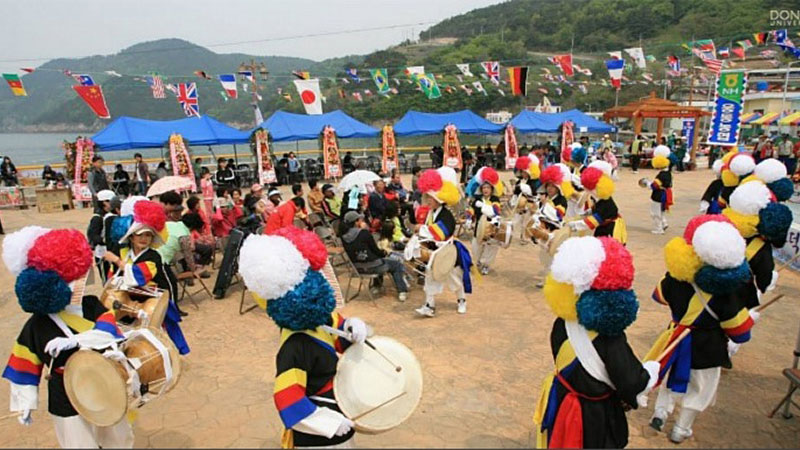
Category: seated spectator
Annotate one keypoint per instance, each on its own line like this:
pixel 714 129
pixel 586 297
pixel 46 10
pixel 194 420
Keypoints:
pixel 331 204
pixel 48 175
pixel 377 200
pixel 194 205
pixel 315 196
pixel 271 204
pixel 252 198
pixel 200 250
pixel 226 213
pixel 367 257
pixel 285 214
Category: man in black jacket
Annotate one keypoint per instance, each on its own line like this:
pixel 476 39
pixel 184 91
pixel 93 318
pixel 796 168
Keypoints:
pixel 367 257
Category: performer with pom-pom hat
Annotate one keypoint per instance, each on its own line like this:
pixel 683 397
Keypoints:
pixel 552 209
pixel 140 265
pixel 590 291
pixel 712 201
pixel 439 189
pixel 485 202
pixel 736 166
pixel 604 218
pixel 45 263
pixel 283 272
pixel 661 189
pixel 703 287
pixel 527 184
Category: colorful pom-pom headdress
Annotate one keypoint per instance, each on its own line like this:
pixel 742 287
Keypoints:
pixel 45 262
pixel 484 175
pixel 591 281
pixel 559 176
pixel 597 178
pixel 711 254
pixel 773 173
pixel 148 216
pixel 282 270
pixel 529 164
pixel 753 209
pixel 578 155
pixel 441 184
pixel 735 167
pixel 660 157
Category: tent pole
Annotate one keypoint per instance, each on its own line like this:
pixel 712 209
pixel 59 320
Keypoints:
pixel 235 156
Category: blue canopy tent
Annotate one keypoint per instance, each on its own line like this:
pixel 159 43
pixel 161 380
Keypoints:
pixel 415 123
pixel 535 122
pixel 129 132
pixel 286 126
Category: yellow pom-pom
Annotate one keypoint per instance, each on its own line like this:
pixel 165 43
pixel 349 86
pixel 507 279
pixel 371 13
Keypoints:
pixel 682 261
pixel 561 298
pixel 535 171
pixel 604 188
pixel 660 162
pixel 745 224
pixel 729 178
pixel 448 194
pixel 498 188
pixel 726 158
pixel 566 189
pixel 748 179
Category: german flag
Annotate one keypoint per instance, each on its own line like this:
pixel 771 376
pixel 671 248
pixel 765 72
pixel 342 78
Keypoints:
pixel 518 77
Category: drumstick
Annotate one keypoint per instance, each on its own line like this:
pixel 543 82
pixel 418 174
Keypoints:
pixel 379 406
pixel 788 263
pixel 8 416
pixel 396 367
pixel 764 305
pixel 349 337
pixel 673 344
pixel 122 307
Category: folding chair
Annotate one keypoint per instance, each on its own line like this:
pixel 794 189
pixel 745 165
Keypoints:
pixel 793 374
pixel 183 277
pixel 333 244
pixel 354 273
pixel 242 309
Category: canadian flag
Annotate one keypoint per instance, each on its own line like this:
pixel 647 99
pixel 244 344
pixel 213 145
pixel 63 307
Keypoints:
pixel 310 95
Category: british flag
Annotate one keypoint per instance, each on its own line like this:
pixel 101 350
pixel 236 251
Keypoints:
pixel 492 69
pixel 187 97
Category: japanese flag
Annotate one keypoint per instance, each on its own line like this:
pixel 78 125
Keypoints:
pixel 310 95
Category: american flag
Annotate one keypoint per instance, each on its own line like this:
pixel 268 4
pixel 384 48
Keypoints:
pixel 157 86
pixel 187 97
pixel 714 65
pixel 492 69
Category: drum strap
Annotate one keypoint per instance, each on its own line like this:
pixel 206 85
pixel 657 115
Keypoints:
pixel 166 361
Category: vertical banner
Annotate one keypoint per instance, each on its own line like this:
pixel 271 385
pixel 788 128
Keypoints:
pixel 84 148
pixel 511 147
pixel 688 132
pixel 389 146
pixel 266 171
pixel 726 119
pixel 567 138
pixel 452 149
pixel 330 151
pixel 181 160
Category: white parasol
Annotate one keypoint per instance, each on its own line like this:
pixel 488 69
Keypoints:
pixel 170 183
pixel 359 178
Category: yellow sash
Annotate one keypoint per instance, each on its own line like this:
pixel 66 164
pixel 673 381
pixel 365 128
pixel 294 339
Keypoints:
pixel 753 247
pixel 620 231
pixel 692 313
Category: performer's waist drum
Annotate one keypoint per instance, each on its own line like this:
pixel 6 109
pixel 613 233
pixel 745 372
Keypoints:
pixel 370 390
pixel 441 261
pixel 487 231
pixel 559 236
pixel 102 387
pixel 155 307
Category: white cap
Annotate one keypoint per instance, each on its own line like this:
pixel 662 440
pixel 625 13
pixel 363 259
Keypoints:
pixel 106 195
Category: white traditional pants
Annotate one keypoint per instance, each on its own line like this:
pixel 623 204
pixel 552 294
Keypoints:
pixel 518 224
pixel 659 217
pixel 75 432
pixel 545 259
pixel 454 282
pixel 700 394
pixel 484 253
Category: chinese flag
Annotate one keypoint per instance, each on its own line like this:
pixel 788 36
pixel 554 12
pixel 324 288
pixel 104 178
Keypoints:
pixel 93 96
pixel 565 62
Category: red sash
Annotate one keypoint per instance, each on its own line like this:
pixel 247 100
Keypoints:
pixel 568 427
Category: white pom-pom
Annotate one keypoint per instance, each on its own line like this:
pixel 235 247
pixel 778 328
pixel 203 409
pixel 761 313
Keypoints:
pixel 578 261
pixel 576 145
pixel 271 266
pixel 534 159
pixel 770 170
pixel 717 166
pixel 16 246
pixel 661 150
pixel 604 166
pixel 719 244
pixel 448 174
pixel 565 172
pixel 749 198
pixel 126 209
pixel 742 164
pixel 479 175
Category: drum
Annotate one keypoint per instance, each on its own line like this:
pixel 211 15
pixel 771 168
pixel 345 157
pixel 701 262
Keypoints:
pixel 424 254
pixel 103 386
pixel 442 261
pixel 537 230
pixel 503 234
pixel 487 231
pixel 155 307
pixel 370 390
pixel 522 205
pixel 559 236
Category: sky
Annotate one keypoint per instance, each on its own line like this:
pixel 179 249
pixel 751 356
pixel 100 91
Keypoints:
pixel 39 30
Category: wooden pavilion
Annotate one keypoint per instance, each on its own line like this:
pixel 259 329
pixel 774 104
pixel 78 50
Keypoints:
pixel 658 108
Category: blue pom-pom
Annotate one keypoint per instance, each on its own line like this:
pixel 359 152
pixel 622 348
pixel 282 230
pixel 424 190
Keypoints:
pixel 722 281
pixel 783 189
pixel 578 155
pixel 774 222
pixel 42 292
pixel 120 226
pixel 305 307
pixel 472 187
pixel 607 312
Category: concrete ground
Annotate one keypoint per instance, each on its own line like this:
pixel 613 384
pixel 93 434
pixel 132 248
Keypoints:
pixel 482 371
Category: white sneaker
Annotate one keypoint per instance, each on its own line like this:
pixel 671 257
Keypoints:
pixel 657 231
pixel 540 284
pixel 485 270
pixel 679 434
pixel 462 306
pixel 426 311
pixel 402 296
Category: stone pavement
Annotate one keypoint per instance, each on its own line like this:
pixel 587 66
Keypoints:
pixel 482 370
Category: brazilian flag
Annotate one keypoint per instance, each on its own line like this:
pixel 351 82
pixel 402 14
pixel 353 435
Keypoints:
pixel 427 81
pixel 381 80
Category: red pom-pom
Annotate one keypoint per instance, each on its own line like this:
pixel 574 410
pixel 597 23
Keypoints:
pixel 150 213
pixel 590 177
pixel 488 174
pixel 552 175
pixel 523 162
pixel 64 251
pixel 422 213
pixel 696 221
pixel 308 244
pixel 616 271
pixel 566 155
pixel 430 181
